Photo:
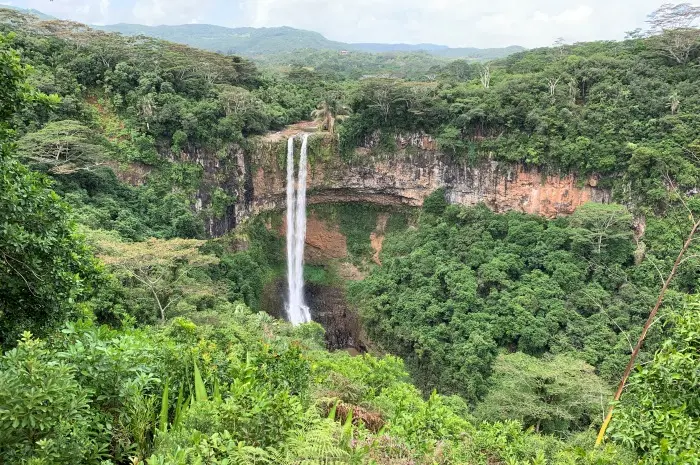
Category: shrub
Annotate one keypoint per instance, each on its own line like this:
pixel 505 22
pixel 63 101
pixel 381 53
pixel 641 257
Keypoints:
pixel 44 413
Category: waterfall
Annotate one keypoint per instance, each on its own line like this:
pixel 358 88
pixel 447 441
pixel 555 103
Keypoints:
pixel 297 311
pixel 291 281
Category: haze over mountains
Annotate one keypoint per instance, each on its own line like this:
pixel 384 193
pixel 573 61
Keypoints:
pixel 257 42
pixel 266 41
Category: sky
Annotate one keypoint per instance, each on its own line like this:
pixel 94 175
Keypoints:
pixel 457 23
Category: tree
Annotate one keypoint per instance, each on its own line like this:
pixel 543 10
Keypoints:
pixel 237 101
pixel 436 203
pixel 674 103
pixel 485 75
pixel 677 35
pixel 45 267
pixel 603 224
pixel 659 413
pixel 329 111
pixel 459 70
pixel 381 94
pixel 647 325
pixel 63 147
pixel 552 395
pixel 552 83
pixel 160 266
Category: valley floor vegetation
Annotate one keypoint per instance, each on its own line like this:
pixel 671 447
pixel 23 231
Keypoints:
pixel 130 335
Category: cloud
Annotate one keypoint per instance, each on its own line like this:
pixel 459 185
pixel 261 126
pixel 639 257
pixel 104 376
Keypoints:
pixel 470 23
pixel 104 8
pixel 155 12
pixel 454 22
pixel 576 15
pixel 88 11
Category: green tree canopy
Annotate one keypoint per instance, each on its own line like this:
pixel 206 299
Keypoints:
pixel 62 147
pixel 555 395
pixel 45 268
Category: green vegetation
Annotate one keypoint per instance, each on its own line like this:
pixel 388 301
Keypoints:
pixel 246 41
pixel 468 281
pixel 276 41
pixel 241 388
pixel 554 394
pixel 130 335
pixel 414 66
pixel 45 268
pixel 659 411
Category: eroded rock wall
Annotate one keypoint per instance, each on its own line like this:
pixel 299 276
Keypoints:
pixel 228 172
pixel 256 178
pixel 415 170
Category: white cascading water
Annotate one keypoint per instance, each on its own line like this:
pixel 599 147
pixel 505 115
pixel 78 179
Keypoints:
pixel 291 282
pixel 297 311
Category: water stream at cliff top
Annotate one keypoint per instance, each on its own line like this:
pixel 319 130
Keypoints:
pixel 297 311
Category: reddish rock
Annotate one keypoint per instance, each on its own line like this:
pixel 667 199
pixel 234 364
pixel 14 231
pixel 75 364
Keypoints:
pixel 408 177
pixel 324 241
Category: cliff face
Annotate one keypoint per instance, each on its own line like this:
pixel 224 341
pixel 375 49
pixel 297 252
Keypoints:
pixel 408 176
pixel 256 180
pixel 229 175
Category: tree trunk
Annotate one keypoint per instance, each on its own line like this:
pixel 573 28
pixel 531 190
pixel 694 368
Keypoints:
pixel 160 307
pixel 650 320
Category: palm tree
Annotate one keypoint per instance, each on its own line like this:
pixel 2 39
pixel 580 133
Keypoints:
pixel 328 112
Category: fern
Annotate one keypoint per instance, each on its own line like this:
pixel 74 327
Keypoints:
pixel 317 445
pixel 242 454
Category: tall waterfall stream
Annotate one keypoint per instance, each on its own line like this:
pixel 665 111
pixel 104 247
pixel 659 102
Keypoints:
pixel 297 310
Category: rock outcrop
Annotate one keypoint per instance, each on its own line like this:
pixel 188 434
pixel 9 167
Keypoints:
pixel 256 178
pixel 409 175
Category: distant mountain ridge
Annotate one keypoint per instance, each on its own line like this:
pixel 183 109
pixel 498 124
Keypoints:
pixel 273 40
pixel 29 11
pixel 265 41
pixel 241 41
pixel 440 50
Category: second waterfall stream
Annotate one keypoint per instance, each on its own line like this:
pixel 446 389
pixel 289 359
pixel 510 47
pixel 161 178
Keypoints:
pixel 297 311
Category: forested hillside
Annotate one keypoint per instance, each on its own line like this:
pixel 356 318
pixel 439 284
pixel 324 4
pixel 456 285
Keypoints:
pixel 259 42
pixel 132 329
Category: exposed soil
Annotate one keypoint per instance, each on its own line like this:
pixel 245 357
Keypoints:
pixel 286 133
pixel 324 241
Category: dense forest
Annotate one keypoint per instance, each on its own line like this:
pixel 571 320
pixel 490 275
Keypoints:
pixel 130 335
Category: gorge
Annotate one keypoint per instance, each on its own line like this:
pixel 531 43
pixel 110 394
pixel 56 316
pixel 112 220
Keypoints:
pixel 260 177
pixel 478 248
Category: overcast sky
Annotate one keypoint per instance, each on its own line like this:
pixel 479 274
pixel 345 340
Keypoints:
pixel 467 23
